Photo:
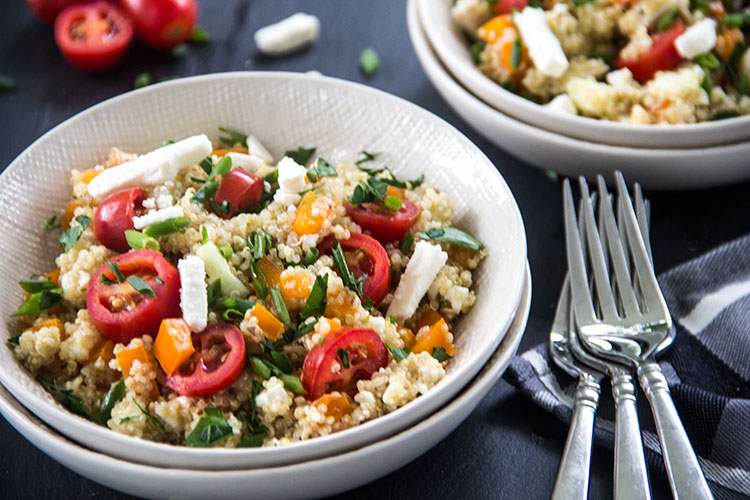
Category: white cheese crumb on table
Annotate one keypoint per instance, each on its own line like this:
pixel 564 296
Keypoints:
pixel 287 35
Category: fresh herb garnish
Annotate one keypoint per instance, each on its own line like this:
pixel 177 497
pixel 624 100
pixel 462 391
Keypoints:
pixel 369 61
pixel 316 301
pixel 702 5
pixel 52 223
pixel 407 243
pixel 211 429
pixel 440 354
pixel 199 36
pixel 150 417
pixel 667 20
pixel 140 286
pixel 368 304
pixel 393 203
pixel 209 188
pixel 142 80
pixel 280 305
pixel 371 171
pixel 232 137
pixel 138 283
pixel 158 281
pixel 256 430
pixel 346 275
pixel 6 83
pixel 39 302
pixel 204 235
pixel 516 55
pixel 400 353
pixel 34 286
pixel 70 237
pixel 264 368
pixel 259 280
pixel 65 397
pixel 226 252
pixel 207 164
pixel 281 360
pixel 723 115
pixel 114 396
pixel 168 142
pixel 311 256
pixel 116 271
pixel 707 61
pixel 138 241
pixel 301 155
pixel 372 190
pixel 13 341
pixel 743 87
pixel 736 19
pixel 476 52
pixel 320 170
pixel 259 244
pixel 292 334
pixel 737 53
pixel 453 236
pixel 169 226
pixel 343 357
pixel 552 175
pixel 367 156
pixel 578 3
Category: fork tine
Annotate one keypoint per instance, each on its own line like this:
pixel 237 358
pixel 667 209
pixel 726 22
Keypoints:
pixel 617 257
pixel 606 299
pixel 646 278
pixel 641 211
pixel 579 287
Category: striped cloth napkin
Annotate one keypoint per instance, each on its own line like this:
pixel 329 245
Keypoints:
pixel 707 368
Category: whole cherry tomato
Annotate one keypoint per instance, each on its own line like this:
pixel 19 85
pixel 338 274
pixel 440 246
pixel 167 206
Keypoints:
pixel 662 55
pixel 93 36
pixel 119 311
pixel 325 368
pixel 47 10
pixel 364 255
pixel 162 23
pixel 241 189
pixel 216 364
pixel 384 225
pixel 115 216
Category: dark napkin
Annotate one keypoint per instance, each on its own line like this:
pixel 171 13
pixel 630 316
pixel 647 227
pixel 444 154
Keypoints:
pixel 707 368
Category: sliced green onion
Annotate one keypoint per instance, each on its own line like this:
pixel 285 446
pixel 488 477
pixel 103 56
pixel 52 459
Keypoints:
pixel 316 302
pixel 516 55
pixel 393 203
pixel 400 353
pixel 199 36
pixel 141 286
pixel 278 302
pixel 138 241
pixel 169 226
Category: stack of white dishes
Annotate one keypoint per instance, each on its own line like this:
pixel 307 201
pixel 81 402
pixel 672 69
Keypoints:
pixel 284 110
pixel 658 156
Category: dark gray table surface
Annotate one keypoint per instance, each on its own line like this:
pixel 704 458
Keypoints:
pixel 508 448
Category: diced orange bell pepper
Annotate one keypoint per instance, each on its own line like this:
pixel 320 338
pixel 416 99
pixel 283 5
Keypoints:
pixel 173 345
pixel 219 153
pixel 312 212
pixel 507 53
pixel 88 175
pixel 51 323
pixel 395 191
pixel 103 350
pixel 407 335
pixel 337 404
pixel 327 325
pixel 492 30
pixel 271 270
pixel 340 311
pixel 726 41
pixel 125 360
pixel 267 322
pixel 295 286
pixel 428 318
pixel 436 337
pixel 70 209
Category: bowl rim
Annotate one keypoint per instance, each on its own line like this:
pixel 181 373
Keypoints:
pixel 266 455
pixel 460 66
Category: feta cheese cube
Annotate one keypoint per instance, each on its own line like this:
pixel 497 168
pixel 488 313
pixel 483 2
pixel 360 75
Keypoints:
pixel 287 35
pixel 156 167
pixel 544 47
pixel 292 179
pixel 256 148
pixel 697 39
pixel 248 163
pixel 420 272
pixel 621 79
pixel 157 216
pixel 562 104
pixel 193 294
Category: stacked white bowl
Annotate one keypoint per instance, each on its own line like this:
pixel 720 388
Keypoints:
pixel 659 156
pixel 284 110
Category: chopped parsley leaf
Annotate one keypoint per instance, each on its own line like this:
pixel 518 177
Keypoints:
pixel 70 237
pixel 52 223
pixel 211 429
pixel 400 353
pixel 232 137
pixel 301 155
pixel 343 357
pixel 316 301
pixel 367 156
pixel 453 236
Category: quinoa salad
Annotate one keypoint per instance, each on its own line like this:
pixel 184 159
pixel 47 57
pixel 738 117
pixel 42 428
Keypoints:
pixel 632 61
pixel 222 297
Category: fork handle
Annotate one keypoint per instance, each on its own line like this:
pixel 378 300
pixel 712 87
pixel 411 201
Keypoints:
pixel 684 472
pixel 572 481
pixel 631 478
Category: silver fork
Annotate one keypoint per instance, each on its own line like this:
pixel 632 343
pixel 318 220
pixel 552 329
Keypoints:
pixel 636 331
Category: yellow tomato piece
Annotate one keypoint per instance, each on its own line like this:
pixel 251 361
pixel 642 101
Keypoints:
pixel 295 286
pixel 104 350
pixel 337 404
pixel 223 152
pixel 267 322
pixel 312 212
pixel 437 336
pixel 428 318
pixel 88 175
pixel 492 30
pixel 173 345
pixel 271 270
pixel 70 209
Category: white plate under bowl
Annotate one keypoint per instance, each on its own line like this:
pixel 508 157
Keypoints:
pixel 311 479
pixel 669 169
pixel 453 50
pixel 284 110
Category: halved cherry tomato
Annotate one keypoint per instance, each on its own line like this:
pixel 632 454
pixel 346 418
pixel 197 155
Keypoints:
pixel 241 189
pixel 364 255
pixel 115 216
pixel 324 371
pixel 662 55
pixel 506 6
pixel 47 10
pixel 119 311
pixel 93 36
pixel 216 364
pixel 384 225
pixel 162 23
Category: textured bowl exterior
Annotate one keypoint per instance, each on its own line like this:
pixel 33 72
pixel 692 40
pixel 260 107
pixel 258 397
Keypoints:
pixel 452 49
pixel 667 169
pixel 284 110
pixel 313 479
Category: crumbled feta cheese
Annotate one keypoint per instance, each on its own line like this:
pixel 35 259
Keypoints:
pixel 164 201
pixel 193 295
pixel 544 47
pixel 248 163
pixel 697 39
pixel 562 104
pixel 421 271
pixel 592 97
pixel 149 203
pixel 156 167
pixel 291 181
pixel 287 35
pixel 621 79
pixel 157 216
pixel 256 148
pixel 471 14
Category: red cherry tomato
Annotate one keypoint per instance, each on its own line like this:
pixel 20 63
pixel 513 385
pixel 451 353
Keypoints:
pixel 122 313
pixel 364 255
pixel 662 55
pixel 93 36
pixel 216 364
pixel 162 23
pixel 115 216
pixel 384 225
pixel 506 6
pixel 241 189
pixel 324 371
pixel 47 10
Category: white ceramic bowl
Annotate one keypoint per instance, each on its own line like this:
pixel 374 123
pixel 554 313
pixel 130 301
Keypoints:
pixel 284 110
pixel 311 479
pixel 453 50
pixel 654 168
